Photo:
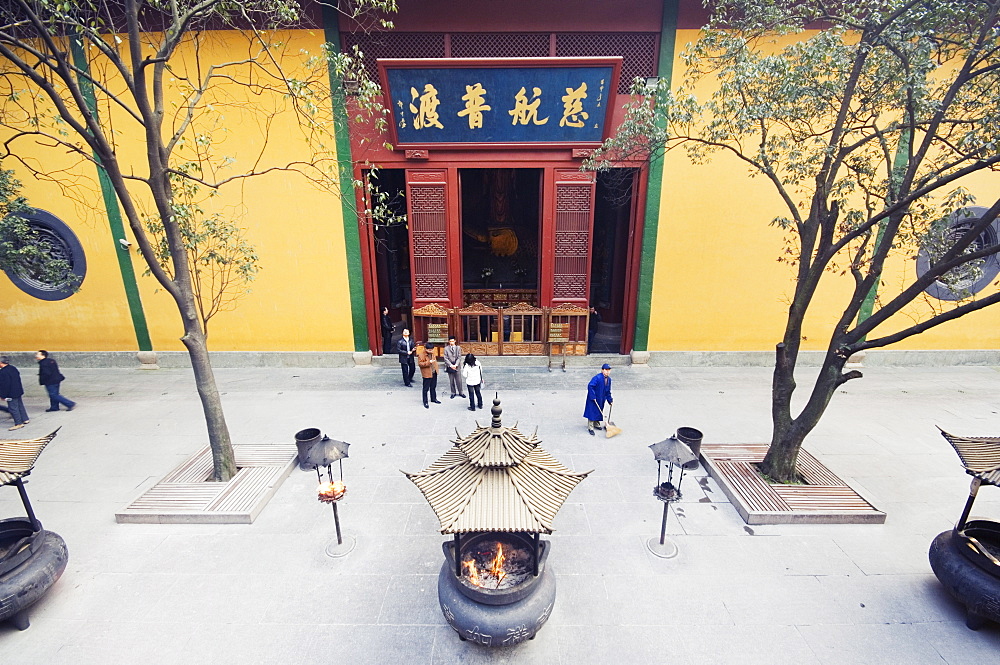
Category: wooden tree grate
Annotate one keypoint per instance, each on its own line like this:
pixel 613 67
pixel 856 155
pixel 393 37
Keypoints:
pixel 186 495
pixel 823 498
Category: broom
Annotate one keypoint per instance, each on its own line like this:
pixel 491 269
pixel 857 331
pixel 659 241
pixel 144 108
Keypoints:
pixel 609 428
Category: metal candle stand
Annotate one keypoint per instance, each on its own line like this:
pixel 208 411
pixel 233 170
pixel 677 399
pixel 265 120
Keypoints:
pixel 316 452
pixel 331 493
pixel 675 453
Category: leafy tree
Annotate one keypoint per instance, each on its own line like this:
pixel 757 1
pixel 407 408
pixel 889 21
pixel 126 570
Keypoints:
pixel 90 77
pixel 868 130
pixel 221 262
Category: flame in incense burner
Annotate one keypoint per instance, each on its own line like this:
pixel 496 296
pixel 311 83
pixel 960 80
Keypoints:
pixel 329 492
pixel 493 569
pixel 496 568
pixel 472 572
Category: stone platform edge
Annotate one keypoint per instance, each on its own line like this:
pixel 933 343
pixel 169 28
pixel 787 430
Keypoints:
pixel 873 358
pixel 343 359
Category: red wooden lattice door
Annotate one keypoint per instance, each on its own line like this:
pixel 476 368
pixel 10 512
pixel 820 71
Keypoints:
pixel 428 216
pixel 570 205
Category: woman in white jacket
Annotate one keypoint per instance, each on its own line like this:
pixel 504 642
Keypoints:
pixel 472 371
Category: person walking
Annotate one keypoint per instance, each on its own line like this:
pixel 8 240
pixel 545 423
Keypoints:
pixel 598 392
pixel 387 328
pixel 429 371
pixel 472 372
pixel 49 376
pixel 406 350
pixel 11 390
pixel 452 360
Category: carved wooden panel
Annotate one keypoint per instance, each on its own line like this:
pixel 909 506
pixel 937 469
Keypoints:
pixel 572 243
pixel 573 197
pixel 500 297
pixel 427 204
pixel 570 349
pixel 569 309
pixel 478 308
pixel 425 176
pixel 433 309
pixel 429 243
pixel 581 176
pixel 574 213
pixel 430 286
pixel 523 307
pixel 523 349
pixel 479 349
pixel 569 286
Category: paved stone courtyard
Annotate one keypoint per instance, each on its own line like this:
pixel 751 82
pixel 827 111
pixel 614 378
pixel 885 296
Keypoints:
pixel 267 593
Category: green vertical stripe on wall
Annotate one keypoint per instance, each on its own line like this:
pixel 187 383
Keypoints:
pixel 352 241
pixel 899 163
pixel 114 214
pixel 668 36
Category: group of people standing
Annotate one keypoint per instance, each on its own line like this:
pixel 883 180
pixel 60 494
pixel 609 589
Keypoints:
pixel 12 391
pixel 467 371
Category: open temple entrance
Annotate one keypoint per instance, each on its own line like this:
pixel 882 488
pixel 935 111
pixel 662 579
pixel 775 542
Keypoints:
pixel 500 220
pixel 391 241
pixel 505 259
pixel 614 215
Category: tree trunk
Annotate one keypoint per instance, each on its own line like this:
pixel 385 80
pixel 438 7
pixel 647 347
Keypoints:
pixel 788 433
pixel 779 463
pixel 223 460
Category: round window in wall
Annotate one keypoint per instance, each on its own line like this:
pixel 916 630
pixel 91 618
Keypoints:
pixel 46 259
pixel 969 278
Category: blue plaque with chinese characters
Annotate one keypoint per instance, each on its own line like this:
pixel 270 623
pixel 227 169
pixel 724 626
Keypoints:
pixel 551 101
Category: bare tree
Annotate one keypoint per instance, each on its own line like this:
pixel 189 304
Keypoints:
pixel 868 130
pixel 88 77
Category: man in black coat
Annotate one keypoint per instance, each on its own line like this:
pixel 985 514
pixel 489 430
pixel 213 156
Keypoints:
pixel 49 376
pixel 11 390
pixel 387 328
pixel 406 350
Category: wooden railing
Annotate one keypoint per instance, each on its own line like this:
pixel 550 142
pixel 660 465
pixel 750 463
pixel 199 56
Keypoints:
pixel 521 329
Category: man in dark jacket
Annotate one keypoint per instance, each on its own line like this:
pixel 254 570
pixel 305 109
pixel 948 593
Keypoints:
pixel 429 372
pixel 11 390
pixel 49 376
pixel 406 350
pixel 387 327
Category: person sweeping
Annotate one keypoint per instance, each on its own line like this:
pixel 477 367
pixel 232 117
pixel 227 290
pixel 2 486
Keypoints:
pixel 598 392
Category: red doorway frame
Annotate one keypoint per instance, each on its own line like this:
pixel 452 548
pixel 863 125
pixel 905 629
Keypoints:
pixel 483 160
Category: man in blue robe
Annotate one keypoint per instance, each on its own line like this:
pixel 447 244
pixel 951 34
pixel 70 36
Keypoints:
pixel 598 392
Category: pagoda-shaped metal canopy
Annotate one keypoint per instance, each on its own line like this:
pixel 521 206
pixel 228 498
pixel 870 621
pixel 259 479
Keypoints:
pixel 496 479
pixel 980 456
pixel 18 457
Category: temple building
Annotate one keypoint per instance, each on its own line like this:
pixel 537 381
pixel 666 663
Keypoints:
pixel 497 235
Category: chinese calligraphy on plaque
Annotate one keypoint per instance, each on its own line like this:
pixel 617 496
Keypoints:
pixel 525 111
pixel 501 104
pixel 474 105
pixel 426 114
pixel 573 113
